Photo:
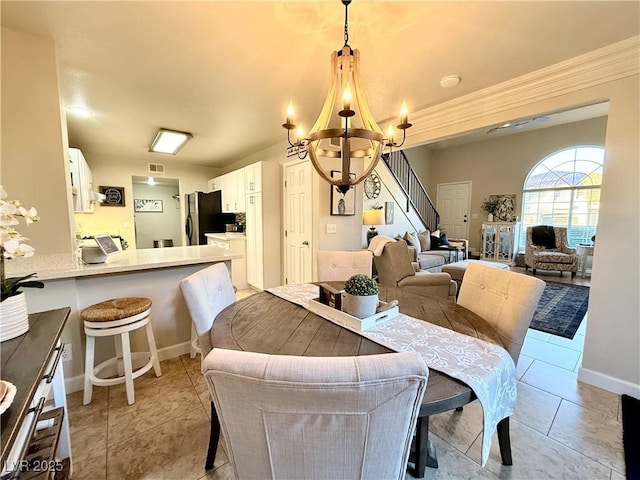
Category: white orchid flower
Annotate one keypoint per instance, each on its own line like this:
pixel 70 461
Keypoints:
pixel 13 248
pixel 30 216
pixel 10 233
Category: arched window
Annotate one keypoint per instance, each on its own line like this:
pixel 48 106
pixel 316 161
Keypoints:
pixel 563 190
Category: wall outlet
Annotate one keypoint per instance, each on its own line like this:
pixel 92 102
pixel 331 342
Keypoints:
pixel 67 353
pixel 331 228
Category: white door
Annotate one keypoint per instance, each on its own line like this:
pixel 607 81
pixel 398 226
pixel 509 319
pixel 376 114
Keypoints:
pixel 453 206
pixel 298 217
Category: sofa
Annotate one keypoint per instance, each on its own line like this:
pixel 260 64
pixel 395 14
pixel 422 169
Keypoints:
pixel 426 252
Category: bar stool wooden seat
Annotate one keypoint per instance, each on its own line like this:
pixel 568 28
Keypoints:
pixel 117 317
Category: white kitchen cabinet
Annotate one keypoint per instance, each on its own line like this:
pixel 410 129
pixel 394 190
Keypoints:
pixel 263 227
pixel 233 193
pixel 253 177
pixel 497 241
pixel 236 243
pixel 81 182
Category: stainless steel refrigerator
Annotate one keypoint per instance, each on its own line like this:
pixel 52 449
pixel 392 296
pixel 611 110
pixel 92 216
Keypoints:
pixel 204 215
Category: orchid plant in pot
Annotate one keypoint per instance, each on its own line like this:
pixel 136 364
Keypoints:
pixel 14 319
pixel 361 296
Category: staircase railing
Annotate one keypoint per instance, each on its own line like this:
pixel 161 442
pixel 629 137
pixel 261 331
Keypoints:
pixel 417 197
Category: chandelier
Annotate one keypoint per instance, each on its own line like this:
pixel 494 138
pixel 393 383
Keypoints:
pixel 345 128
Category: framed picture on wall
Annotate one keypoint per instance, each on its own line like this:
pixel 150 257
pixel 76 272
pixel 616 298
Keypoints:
pixel 342 203
pixel 144 205
pixel 114 196
pixel 388 213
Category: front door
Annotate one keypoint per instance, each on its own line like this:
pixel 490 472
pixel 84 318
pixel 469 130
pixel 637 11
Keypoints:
pixel 453 207
pixel 298 226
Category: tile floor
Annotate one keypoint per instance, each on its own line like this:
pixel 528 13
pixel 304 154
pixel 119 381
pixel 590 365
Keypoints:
pixel 561 429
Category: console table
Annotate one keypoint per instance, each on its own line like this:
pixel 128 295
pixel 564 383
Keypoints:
pixel 584 252
pixel 31 362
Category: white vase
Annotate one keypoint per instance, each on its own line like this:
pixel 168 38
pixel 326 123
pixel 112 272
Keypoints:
pixel 361 306
pixel 490 217
pixel 14 318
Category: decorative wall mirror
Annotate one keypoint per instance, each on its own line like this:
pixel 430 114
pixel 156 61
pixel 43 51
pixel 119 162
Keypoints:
pixel 372 186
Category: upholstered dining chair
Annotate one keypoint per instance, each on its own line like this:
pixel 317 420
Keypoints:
pixel 207 292
pixel 340 265
pixel 286 416
pixel 507 301
pixel 547 248
pixel 395 269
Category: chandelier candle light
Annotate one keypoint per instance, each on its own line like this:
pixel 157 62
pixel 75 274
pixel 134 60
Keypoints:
pixel 345 128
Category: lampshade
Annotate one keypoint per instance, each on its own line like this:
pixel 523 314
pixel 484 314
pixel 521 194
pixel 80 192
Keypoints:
pixel 373 217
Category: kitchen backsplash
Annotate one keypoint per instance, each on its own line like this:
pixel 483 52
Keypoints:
pixel 241 219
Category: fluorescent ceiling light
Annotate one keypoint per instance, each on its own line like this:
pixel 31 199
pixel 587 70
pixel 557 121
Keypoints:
pixel 151 181
pixel 169 141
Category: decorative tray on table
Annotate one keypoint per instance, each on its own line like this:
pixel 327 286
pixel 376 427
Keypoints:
pixel 329 302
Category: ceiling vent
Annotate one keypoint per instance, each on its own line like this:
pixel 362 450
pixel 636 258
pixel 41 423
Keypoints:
pixel 156 168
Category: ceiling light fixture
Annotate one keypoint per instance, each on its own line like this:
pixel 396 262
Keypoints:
pixel 450 81
pixel 351 132
pixel 169 141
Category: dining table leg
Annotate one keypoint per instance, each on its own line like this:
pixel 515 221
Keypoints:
pixel 424 454
pixel 214 438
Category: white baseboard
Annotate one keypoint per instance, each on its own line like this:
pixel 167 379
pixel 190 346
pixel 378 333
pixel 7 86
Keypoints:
pixel 76 384
pixel 609 383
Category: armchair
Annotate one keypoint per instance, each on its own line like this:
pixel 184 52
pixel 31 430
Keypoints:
pixel 395 269
pixel 547 249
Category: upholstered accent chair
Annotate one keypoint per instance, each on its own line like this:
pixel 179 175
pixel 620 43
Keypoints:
pixel 286 416
pixel 395 269
pixel 555 255
pixel 340 265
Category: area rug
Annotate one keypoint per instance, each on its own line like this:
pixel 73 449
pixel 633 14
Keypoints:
pixel 561 309
pixel 631 435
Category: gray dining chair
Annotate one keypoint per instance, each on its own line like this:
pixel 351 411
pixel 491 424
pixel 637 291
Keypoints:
pixel 506 301
pixel 286 416
pixel 336 265
pixel 207 292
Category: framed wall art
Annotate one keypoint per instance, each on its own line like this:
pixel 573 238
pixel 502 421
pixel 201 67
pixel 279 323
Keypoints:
pixel 342 204
pixel 506 209
pixel 114 196
pixel 388 213
pixel 144 205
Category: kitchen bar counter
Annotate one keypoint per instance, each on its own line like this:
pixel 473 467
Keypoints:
pixel 56 266
pixel 153 273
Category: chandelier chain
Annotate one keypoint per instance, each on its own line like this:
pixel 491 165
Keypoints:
pixel 346 23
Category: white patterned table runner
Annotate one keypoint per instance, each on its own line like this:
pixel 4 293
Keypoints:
pixel 486 368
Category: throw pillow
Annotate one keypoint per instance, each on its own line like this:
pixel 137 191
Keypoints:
pixel 443 239
pixel 435 242
pixel 412 240
pixel 425 241
pixel 436 233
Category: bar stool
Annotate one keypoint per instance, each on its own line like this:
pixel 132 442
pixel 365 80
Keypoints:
pixel 118 317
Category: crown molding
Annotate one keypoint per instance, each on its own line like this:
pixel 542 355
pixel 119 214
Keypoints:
pixel 607 64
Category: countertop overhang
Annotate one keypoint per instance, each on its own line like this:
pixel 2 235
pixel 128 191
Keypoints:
pixel 66 265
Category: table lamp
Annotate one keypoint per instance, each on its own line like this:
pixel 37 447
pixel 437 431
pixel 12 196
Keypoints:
pixel 373 218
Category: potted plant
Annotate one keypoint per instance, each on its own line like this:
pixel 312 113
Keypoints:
pixel 490 206
pixel 14 319
pixel 360 296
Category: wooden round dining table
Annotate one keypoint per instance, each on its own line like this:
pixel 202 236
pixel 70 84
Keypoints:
pixel 265 323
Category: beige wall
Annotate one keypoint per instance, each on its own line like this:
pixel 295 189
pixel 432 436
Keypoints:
pixel 501 165
pixel 33 168
pixel 117 172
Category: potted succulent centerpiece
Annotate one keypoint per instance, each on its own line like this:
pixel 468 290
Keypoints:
pixel 14 319
pixel 360 296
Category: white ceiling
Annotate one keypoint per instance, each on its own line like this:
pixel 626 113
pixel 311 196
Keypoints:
pixel 225 71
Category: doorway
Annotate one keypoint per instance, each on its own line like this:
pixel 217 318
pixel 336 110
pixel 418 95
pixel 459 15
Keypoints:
pixel 298 216
pixel 156 212
pixel 453 206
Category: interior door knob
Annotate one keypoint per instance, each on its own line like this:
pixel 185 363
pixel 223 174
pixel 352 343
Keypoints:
pixel 305 243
